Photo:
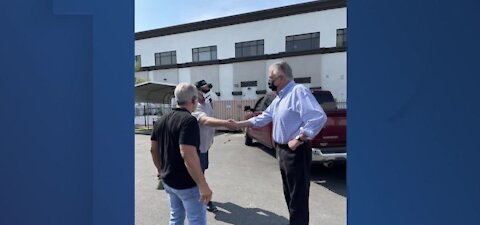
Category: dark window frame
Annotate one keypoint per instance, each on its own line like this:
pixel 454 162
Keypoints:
pixel 251 83
pixel 236 93
pixel 312 40
pixel 161 58
pixel 196 53
pixel 242 48
pixel 342 37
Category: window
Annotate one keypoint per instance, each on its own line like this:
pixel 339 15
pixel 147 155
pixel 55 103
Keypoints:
pixel 138 61
pixel 264 102
pixel 204 54
pixel 342 37
pixel 302 42
pixel 165 58
pixel 325 99
pixel 249 48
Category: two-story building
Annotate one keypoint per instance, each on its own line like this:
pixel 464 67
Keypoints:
pixel 234 52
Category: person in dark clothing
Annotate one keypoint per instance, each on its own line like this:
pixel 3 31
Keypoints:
pixel 174 143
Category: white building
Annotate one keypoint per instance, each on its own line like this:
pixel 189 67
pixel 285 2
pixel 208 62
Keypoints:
pixel 234 53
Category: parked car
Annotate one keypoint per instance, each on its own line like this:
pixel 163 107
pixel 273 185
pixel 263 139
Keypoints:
pixel 329 146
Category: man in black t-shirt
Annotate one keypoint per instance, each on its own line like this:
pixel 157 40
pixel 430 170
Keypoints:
pixel 175 140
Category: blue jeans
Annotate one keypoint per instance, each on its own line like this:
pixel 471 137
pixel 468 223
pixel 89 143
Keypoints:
pixel 186 200
pixel 203 160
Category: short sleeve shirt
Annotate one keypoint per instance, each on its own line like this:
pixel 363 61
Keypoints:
pixel 207 133
pixel 170 131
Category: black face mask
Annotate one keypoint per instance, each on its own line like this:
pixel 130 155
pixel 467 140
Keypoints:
pixel 205 91
pixel 272 86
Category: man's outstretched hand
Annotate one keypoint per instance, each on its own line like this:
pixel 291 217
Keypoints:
pixel 231 124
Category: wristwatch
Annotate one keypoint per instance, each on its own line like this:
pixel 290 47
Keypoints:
pixel 299 139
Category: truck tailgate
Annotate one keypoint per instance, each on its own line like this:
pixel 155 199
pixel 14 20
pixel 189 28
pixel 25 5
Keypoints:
pixel 334 133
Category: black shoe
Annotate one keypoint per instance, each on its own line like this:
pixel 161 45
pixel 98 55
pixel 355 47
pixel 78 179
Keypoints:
pixel 211 207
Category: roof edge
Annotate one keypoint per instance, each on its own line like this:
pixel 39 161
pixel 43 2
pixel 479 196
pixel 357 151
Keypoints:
pixel 243 18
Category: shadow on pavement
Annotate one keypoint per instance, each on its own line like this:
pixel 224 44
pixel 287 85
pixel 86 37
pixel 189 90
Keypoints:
pixel 265 149
pixel 234 214
pixel 333 178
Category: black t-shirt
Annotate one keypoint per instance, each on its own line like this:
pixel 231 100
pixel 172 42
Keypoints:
pixel 170 131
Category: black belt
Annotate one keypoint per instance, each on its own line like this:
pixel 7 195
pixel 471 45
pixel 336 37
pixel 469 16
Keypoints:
pixel 285 146
pixel 281 145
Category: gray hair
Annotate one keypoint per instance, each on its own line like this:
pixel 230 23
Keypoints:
pixel 283 67
pixel 185 92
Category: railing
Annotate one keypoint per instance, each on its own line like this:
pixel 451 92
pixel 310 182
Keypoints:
pixel 231 109
pixel 342 105
pixel 223 109
pixel 153 111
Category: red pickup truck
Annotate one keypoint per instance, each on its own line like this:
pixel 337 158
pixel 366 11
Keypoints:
pixel 328 146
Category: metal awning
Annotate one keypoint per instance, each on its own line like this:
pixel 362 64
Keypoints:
pixel 154 92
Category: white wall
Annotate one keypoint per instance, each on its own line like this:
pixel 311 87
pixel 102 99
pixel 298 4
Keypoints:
pixel 326 70
pixel 142 75
pixel 184 75
pixel 334 74
pixel 165 76
pixel 273 31
pixel 249 93
pixel 226 81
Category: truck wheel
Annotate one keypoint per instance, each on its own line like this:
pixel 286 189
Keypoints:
pixel 248 140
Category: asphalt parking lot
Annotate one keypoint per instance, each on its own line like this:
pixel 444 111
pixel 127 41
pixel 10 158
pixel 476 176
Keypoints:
pixel 246 185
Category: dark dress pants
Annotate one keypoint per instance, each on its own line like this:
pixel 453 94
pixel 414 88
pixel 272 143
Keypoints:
pixel 295 170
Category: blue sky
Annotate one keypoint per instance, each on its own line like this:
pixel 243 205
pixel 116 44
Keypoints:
pixel 153 14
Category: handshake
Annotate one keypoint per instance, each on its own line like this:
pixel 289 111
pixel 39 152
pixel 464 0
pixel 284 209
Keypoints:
pixel 232 124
